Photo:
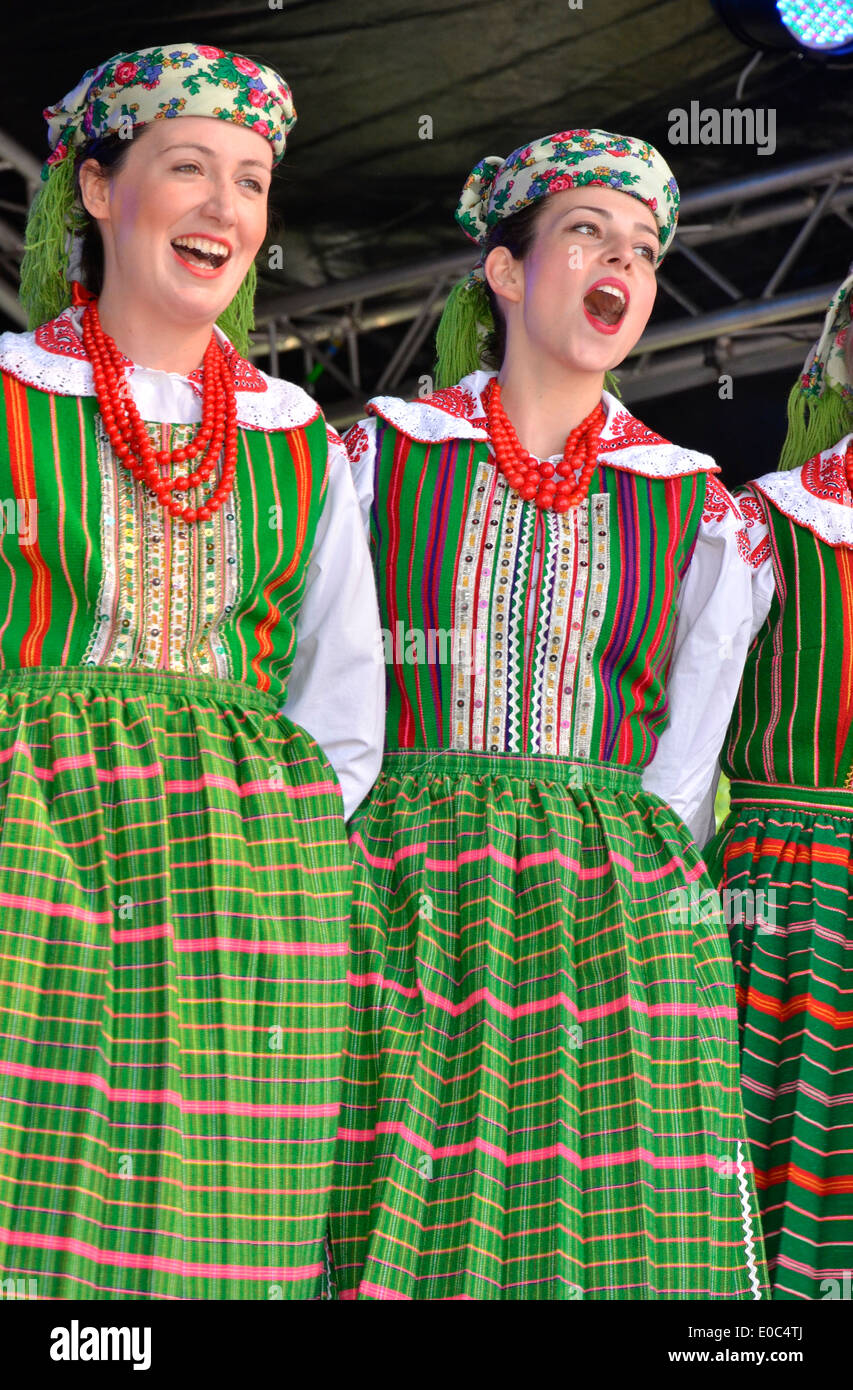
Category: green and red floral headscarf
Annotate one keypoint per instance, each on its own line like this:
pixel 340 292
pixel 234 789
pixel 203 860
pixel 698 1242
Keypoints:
pixel 156 84
pixel 121 96
pixel 497 188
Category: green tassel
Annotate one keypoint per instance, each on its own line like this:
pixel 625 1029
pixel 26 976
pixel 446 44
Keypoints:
pixel 813 425
pixel 611 384
pixel 458 336
pixel 238 320
pixel 44 290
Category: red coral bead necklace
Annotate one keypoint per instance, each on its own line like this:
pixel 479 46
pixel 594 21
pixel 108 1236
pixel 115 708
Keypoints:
pixel 129 437
pixel 546 484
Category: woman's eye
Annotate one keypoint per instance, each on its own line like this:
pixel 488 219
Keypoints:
pixel 180 167
pixel 585 226
pixel 648 252
pixel 254 182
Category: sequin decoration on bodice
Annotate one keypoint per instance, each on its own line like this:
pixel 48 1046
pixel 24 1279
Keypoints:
pixel 167 587
pixel 101 575
pixel 512 629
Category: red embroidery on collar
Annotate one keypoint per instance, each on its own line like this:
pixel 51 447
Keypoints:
pixel 824 477
pixel 246 375
pixel 59 336
pixel 458 401
pixel 627 432
pixel 455 400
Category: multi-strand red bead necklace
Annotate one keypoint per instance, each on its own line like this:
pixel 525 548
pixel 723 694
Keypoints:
pixel 548 485
pixel 129 437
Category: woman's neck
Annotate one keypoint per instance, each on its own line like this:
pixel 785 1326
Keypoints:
pixel 546 402
pixel 153 341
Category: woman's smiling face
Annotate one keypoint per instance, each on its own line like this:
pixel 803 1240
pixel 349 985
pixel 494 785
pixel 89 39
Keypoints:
pixel 185 215
pixel 584 291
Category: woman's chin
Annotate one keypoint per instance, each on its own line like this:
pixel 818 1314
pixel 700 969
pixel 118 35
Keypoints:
pixel 204 300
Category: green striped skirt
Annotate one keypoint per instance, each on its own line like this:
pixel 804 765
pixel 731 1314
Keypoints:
pixel 175 884
pixel 784 861
pixel 541 1096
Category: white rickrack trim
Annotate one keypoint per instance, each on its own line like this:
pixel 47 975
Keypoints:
pixel 281 406
pixel 748 1239
pixel 657 458
pixel 829 520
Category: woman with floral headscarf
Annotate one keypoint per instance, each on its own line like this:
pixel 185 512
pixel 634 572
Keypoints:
pixel 784 855
pixel 183 556
pixel 542 1098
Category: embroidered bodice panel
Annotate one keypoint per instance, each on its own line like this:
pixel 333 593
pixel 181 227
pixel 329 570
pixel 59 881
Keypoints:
pixel 487 650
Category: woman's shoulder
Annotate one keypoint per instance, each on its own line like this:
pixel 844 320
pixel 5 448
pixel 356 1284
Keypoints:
pixel 816 495
pixel 266 402
pixel 627 443
pixel 452 412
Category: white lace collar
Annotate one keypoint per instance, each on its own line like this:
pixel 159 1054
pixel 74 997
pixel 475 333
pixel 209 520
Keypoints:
pixel 457 412
pixel 815 495
pixel 52 359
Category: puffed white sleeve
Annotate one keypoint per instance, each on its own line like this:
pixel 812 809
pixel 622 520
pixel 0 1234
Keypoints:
pixel 360 444
pixel 336 689
pixel 753 509
pixel 716 612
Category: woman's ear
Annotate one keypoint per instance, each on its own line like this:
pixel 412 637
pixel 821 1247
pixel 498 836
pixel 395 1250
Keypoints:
pixel 94 188
pixel 504 274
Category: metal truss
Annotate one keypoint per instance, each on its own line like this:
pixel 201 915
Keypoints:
pixel 14 158
pixel 739 336
pixel 742 336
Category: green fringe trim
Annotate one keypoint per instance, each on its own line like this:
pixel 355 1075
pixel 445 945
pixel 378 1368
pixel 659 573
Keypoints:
pixel 238 320
pixel 458 336
pixel 44 290
pixel 611 384
pixel 813 425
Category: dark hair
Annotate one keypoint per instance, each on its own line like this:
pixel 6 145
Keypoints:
pixel 517 233
pixel 111 151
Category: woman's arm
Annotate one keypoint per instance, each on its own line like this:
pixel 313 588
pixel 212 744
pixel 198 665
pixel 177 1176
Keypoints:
pixel 336 689
pixel 722 603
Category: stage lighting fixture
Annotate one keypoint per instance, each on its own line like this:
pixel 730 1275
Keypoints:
pixel 817 29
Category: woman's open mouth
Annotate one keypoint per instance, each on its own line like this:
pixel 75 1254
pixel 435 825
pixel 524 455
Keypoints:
pixel 605 304
pixel 201 254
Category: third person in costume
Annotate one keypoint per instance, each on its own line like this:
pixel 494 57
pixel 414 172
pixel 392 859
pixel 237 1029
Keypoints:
pixel 784 856
pixel 543 1095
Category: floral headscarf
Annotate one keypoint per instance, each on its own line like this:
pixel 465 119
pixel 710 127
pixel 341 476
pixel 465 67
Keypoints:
pixel 154 84
pixel 121 96
pixel 497 187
